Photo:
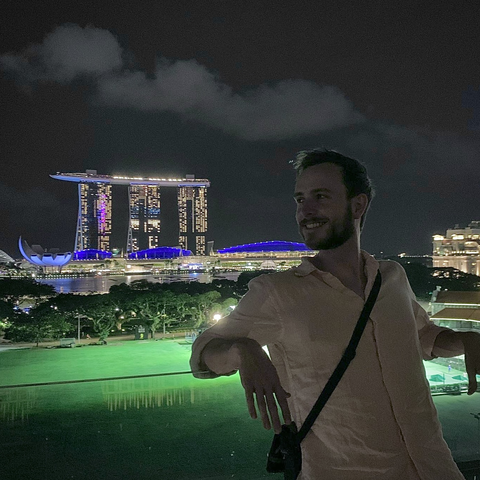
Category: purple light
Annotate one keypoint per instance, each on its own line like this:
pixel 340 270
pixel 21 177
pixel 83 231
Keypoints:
pixel 272 246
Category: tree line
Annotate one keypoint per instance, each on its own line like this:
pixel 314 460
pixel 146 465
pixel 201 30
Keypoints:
pixel 177 306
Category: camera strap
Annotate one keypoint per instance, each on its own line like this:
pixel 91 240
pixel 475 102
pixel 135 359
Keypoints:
pixel 342 366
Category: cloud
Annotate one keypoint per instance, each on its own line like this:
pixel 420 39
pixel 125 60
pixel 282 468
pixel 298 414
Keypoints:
pixel 67 52
pixel 289 108
pixel 282 110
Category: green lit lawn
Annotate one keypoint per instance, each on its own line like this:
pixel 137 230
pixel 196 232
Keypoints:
pixel 38 365
pixel 166 427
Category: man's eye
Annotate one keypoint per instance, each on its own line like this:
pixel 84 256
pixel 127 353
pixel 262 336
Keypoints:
pixel 299 200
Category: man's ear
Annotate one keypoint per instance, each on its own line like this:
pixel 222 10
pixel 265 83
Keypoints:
pixel 359 205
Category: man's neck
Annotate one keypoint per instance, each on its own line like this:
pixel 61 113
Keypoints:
pixel 344 262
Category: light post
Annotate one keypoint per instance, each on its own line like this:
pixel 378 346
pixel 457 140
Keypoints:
pixel 217 317
pixel 79 317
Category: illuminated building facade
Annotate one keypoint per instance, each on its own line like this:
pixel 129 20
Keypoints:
pixel 94 223
pixel 459 248
pixel 192 218
pixel 36 255
pixel 144 224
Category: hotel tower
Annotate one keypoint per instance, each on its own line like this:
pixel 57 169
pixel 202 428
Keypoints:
pixel 94 224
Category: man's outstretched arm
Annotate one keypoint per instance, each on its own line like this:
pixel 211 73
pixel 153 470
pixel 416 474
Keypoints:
pixel 449 343
pixel 257 374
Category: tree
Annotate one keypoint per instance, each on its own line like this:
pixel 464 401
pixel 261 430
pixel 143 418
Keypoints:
pixel 156 309
pixel 6 314
pixel 203 305
pixel 104 314
pixel 424 280
pixel 14 290
pixel 41 323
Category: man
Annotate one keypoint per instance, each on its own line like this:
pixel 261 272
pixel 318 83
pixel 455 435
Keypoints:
pixel 380 422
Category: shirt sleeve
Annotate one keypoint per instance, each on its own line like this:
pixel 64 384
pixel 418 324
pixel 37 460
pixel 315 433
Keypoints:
pixel 427 330
pixel 254 317
pixel 427 333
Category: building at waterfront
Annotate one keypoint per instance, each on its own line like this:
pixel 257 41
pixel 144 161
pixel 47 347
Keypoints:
pixel 144 217
pixel 94 224
pixel 272 255
pixel 192 218
pixel 459 248
pixel 52 259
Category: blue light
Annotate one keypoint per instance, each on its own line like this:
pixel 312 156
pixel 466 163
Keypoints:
pixel 272 246
pixel 43 259
pixel 159 253
pixel 91 254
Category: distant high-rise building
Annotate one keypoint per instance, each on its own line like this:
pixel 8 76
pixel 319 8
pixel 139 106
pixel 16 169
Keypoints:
pixel 192 218
pixel 459 248
pixel 94 223
pixel 144 224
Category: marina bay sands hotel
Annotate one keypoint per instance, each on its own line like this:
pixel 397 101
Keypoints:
pixel 94 224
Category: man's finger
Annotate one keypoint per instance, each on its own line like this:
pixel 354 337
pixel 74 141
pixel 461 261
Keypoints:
pixel 282 402
pixel 273 410
pixel 472 376
pixel 262 408
pixel 250 403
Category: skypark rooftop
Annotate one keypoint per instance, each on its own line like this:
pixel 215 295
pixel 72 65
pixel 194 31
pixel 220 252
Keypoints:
pixel 93 177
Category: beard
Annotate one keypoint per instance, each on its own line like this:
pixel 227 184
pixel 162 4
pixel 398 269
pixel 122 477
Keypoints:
pixel 336 233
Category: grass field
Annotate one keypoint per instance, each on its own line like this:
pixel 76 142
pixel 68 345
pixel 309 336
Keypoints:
pixel 122 358
pixel 159 427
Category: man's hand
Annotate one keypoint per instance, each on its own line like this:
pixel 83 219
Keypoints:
pixel 471 343
pixel 260 379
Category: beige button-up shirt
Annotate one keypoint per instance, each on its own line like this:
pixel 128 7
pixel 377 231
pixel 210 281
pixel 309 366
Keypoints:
pixel 380 422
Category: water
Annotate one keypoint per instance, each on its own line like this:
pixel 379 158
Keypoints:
pixel 102 284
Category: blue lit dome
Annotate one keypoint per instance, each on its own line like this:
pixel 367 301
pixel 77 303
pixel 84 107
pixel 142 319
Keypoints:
pixel 159 253
pixel 91 254
pixel 41 257
pixel 273 246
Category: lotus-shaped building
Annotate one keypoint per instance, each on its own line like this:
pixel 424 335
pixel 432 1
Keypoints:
pixel 43 258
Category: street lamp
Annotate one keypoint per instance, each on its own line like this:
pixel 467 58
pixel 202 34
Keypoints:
pixel 79 317
pixel 217 317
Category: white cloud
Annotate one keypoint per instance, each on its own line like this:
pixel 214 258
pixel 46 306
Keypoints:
pixel 287 109
pixel 67 52
pixel 283 110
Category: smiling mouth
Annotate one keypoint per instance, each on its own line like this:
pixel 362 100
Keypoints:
pixel 312 225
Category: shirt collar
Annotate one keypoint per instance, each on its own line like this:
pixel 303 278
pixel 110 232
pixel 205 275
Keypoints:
pixel 370 269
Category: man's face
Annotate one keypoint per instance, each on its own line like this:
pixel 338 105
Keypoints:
pixel 324 213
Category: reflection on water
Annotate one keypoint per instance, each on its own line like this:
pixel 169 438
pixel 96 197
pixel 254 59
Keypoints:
pixel 152 393
pixel 102 284
pixel 17 404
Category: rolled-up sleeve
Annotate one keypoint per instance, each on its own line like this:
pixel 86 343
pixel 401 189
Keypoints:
pixel 427 330
pixel 427 333
pixel 254 317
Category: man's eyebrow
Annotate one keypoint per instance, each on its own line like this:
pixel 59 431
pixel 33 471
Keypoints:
pixel 316 190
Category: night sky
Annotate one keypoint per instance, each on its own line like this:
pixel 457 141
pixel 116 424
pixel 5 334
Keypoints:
pixel 230 90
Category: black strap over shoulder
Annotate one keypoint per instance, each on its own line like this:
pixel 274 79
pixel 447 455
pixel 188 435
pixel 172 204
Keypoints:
pixel 347 357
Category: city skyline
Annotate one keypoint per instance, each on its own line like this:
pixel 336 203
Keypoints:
pixel 232 91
